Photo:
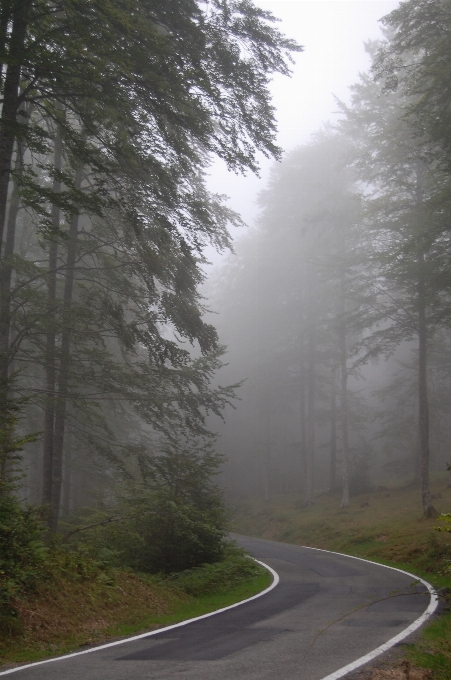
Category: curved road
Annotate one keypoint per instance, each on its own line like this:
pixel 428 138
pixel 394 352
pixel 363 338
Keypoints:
pixel 275 637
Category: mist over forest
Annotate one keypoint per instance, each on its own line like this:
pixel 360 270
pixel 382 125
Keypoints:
pixel 145 391
pixel 335 306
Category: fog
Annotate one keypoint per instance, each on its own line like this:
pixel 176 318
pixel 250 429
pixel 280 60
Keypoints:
pixel 333 33
pixel 320 329
pixel 120 299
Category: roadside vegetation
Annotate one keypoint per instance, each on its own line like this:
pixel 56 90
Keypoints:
pixel 384 525
pixel 57 598
pixel 156 553
pixel 110 520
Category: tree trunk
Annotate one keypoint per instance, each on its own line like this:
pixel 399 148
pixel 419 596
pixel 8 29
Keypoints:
pixel 63 382
pixel 11 101
pixel 5 16
pixel 5 309
pixel 311 390
pixel 50 350
pixel 417 461
pixel 267 461
pixel 423 403
pixel 303 428
pixel 333 433
pixel 6 273
pixel 67 475
pixel 344 396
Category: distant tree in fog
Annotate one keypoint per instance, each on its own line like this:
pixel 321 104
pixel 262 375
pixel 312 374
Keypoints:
pixel 350 262
pixel 296 302
pixel 409 237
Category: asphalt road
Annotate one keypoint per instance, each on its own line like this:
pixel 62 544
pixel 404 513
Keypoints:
pixel 317 620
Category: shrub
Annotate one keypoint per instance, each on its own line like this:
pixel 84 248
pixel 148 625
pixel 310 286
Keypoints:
pixel 228 574
pixel 176 520
pixel 22 554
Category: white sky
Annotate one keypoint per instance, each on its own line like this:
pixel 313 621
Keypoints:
pixel 332 33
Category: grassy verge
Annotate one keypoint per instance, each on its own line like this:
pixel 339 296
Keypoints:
pixel 385 526
pixel 73 613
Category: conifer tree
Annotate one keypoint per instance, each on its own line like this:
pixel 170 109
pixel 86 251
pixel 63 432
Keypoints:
pixel 155 90
pixel 416 62
pixel 300 291
pixel 409 239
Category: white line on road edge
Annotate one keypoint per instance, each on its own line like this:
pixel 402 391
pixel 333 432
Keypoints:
pixel 275 576
pixel 394 640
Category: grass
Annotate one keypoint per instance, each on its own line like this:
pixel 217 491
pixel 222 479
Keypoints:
pixel 385 526
pixel 72 614
pixel 209 603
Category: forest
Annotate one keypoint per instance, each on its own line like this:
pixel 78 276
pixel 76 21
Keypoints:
pixel 110 113
pixel 336 307
pixel 139 396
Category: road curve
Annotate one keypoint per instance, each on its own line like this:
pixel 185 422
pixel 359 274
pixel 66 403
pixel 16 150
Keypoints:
pixel 327 611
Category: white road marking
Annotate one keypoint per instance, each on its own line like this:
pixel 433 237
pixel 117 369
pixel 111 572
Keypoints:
pixel 340 673
pixel 275 576
pixel 394 640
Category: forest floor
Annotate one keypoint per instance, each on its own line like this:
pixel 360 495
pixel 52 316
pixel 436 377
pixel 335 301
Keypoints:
pixel 73 614
pixel 385 526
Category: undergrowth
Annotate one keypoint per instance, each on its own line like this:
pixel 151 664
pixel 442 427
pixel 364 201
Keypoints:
pixel 228 574
pixel 85 602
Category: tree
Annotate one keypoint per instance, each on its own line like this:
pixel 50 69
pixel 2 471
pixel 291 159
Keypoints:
pixel 176 519
pixel 109 150
pixel 184 81
pixel 416 61
pixel 298 291
pixel 409 239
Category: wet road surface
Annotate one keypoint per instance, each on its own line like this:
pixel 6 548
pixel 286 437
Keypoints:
pixel 327 611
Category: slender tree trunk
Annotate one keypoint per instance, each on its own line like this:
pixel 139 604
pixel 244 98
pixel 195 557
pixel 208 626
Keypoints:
pixel 417 461
pixel 63 382
pixel 311 392
pixel 423 402
pixel 344 396
pixel 310 448
pixel 5 307
pixel 303 429
pixel 333 433
pixel 50 349
pixel 6 273
pixel 267 461
pixel 11 103
pixel 67 475
pixel 5 16
pixel 302 386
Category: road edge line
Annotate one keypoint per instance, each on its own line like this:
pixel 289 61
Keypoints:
pixel 274 583
pixel 361 661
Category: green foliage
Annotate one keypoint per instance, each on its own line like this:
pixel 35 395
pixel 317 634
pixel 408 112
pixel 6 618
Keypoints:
pixel 27 557
pixel 419 35
pixel 10 444
pixel 22 554
pixel 446 517
pixel 116 124
pixel 234 570
pixel 175 520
